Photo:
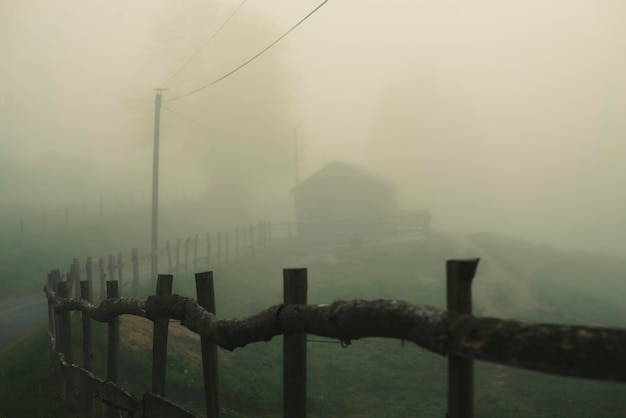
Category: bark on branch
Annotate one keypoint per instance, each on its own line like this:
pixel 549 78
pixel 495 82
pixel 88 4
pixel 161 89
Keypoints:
pixel 589 352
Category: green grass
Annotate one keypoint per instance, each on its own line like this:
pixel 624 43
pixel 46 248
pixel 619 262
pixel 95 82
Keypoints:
pixel 27 384
pixel 385 378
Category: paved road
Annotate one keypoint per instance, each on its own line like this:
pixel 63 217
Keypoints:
pixel 19 314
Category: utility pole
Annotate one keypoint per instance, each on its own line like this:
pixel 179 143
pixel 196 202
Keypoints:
pixel 155 187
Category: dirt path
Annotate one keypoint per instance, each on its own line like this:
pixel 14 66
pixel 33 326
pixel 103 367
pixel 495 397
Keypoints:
pixel 18 315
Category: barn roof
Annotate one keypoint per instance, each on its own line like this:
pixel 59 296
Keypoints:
pixel 336 167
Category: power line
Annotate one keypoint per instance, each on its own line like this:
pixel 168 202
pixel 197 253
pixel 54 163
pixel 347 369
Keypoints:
pixel 198 123
pixel 206 43
pixel 251 59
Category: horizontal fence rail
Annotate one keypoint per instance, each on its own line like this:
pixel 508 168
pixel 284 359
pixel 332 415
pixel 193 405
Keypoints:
pixel 578 351
pixel 566 350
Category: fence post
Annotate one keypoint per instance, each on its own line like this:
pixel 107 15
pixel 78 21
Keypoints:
pixel 259 235
pixel 113 343
pixel 205 295
pixel 459 275
pixel 102 279
pixel 113 333
pixel 159 338
pixel 65 335
pixel 85 293
pixel 294 348
pixel 135 259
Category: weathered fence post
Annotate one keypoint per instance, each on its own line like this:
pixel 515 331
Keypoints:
pixel 259 235
pixel 459 275
pixel 205 295
pixel 113 334
pixel 294 348
pixel 159 338
pixel 65 335
pixel 135 259
pixel 85 293
pixel 113 343
pixel 102 279
pixel 269 233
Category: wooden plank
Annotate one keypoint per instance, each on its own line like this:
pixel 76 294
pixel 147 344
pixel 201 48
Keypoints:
pixel 459 275
pixel 205 294
pixel 294 348
pixel 155 406
pixel 159 338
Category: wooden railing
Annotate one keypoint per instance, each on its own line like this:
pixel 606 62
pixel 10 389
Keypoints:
pixel 574 351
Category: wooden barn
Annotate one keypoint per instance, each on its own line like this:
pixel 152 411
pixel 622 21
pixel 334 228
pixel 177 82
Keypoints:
pixel 343 200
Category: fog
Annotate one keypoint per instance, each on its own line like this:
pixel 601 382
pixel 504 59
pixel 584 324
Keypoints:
pixel 498 116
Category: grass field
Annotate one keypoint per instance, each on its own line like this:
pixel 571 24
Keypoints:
pixel 378 377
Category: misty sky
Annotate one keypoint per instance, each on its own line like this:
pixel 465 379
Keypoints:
pixel 498 115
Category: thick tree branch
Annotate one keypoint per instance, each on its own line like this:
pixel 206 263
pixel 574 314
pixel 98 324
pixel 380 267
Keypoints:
pixel 590 352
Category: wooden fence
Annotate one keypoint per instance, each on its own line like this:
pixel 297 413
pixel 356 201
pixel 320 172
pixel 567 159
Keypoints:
pixel 179 255
pixel 410 223
pixel 575 351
